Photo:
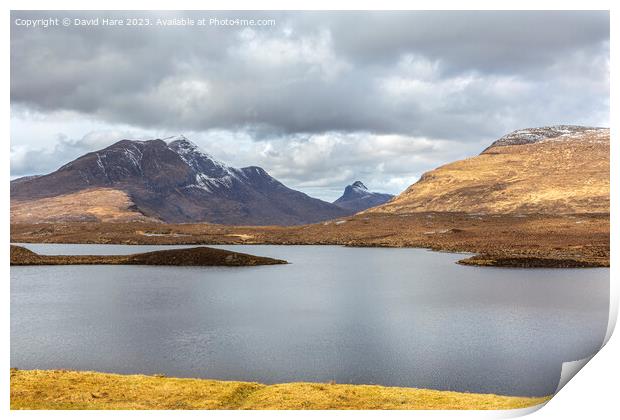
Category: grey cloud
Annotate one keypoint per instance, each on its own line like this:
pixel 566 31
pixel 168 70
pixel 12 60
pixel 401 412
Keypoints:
pixel 320 71
pixel 314 98
pixel 489 41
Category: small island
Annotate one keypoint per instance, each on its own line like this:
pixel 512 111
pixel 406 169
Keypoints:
pixel 197 256
pixel 528 261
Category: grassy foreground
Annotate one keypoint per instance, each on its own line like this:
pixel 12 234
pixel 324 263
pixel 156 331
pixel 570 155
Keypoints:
pixel 66 390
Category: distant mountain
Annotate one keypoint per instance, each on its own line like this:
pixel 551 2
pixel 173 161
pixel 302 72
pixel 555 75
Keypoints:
pixel 356 197
pixel 548 170
pixel 171 180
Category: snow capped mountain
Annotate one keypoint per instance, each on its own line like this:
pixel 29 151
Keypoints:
pixel 210 173
pixel 356 197
pixel 173 180
pixel 199 160
pixel 359 188
pixel 534 135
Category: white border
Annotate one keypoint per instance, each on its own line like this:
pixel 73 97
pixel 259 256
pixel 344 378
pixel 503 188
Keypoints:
pixel 594 393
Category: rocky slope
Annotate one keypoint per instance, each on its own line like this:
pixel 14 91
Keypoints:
pixel 549 170
pixel 172 181
pixel 356 197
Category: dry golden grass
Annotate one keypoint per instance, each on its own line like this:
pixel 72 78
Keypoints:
pixel 69 390
pixel 561 175
pixel 96 204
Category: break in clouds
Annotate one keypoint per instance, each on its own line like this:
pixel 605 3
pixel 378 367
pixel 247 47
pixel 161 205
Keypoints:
pixel 319 100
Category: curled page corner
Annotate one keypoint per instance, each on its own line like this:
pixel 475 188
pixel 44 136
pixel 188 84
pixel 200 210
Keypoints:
pixel 570 369
pixel 613 311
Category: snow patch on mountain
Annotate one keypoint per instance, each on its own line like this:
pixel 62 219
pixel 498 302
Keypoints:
pixel 194 157
pixel 359 188
pixel 100 164
pixel 535 135
pixel 210 173
pixel 134 155
pixel 208 184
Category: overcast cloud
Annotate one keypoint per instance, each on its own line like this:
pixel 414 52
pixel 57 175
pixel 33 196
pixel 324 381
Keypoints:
pixel 319 100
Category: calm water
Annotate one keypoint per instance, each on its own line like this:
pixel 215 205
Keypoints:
pixel 405 317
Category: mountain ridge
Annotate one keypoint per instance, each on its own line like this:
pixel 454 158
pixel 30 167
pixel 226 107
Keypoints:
pixel 545 170
pixel 175 181
pixel 537 134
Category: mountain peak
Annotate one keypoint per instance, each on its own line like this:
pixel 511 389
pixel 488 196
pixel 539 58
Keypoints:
pixel 179 137
pixel 356 197
pixel 359 185
pixel 184 146
pixel 205 165
pixel 181 142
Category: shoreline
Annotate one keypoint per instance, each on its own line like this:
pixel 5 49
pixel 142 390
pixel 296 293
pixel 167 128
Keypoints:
pixel 518 261
pixel 580 240
pixel 477 260
pixel 67 390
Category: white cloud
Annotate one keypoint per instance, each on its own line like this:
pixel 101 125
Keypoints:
pixel 309 54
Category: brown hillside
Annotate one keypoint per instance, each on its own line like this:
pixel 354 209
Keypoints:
pixel 91 205
pixel 172 181
pixel 565 174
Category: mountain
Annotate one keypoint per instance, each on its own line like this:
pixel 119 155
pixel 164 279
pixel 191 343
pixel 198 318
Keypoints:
pixel 356 198
pixel 172 181
pixel 548 170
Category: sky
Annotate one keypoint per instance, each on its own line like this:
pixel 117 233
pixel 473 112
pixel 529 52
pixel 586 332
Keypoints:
pixel 318 99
